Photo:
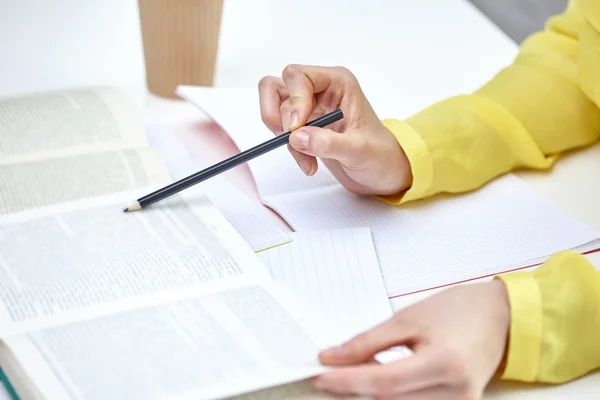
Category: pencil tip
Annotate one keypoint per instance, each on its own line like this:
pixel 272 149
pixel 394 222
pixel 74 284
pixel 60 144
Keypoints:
pixel 133 207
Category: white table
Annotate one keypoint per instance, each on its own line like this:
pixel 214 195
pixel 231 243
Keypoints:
pixel 425 50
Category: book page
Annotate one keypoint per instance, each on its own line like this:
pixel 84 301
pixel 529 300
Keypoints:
pixel 52 181
pixel 275 172
pixel 83 259
pixel 207 347
pixel 54 124
pixel 447 240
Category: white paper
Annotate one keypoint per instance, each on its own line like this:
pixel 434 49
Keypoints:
pixel 436 243
pixel 207 347
pixel 55 124
pixel 255 224
pixel 420 245
pixel 335 272
pixel 51 181
pixel 275 172
pixel 88 258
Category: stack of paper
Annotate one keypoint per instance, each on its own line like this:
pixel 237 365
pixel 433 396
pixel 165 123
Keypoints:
pixel 427 244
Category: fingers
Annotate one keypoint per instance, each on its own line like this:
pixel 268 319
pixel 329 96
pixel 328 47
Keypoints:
pixel 325 143
pixel 411 374
pixel 288 103
pixel 366 345
pixel 272 93
pixel 303 82
pixel 307 163
pixel 275 113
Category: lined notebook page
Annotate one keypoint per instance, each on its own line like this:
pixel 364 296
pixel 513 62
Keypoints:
pixel 337 273
pixel 420 246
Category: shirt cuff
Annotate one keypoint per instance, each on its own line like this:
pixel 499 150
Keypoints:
pixel 525 337
pixel 418 157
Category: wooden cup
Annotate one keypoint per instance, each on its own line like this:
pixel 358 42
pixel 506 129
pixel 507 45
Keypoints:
pixel 180 39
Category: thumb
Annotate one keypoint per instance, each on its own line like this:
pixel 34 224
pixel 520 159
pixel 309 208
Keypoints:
pixel 365 346
pixel 325 143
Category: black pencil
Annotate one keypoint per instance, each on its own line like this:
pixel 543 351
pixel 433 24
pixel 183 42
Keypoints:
pixel 227 164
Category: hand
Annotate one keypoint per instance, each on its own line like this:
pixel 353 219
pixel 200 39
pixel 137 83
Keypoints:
pixel 360 152
pixel 458 338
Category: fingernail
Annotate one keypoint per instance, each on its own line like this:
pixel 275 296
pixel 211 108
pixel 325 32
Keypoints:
pixel 300 140
pixel 293 120
pixel 305 166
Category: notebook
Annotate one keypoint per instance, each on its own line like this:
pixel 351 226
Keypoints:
pixel 426 244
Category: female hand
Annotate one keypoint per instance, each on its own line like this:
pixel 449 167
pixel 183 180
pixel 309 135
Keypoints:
pixel 360 152
pixel 458 338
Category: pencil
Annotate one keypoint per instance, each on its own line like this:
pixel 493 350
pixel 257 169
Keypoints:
pixel 227 164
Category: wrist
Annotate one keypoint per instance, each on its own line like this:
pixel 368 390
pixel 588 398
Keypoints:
pixel 395 161
pixel 412 160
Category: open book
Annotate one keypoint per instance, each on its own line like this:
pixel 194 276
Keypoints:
pixel 70 145
pixel 420 246
pixel 79 143
pixel 170 302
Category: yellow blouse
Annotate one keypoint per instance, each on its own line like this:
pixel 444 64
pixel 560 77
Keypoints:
pixel 545 103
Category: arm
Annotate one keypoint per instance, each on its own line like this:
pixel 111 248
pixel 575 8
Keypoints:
pixel 525 117
pixel 555 321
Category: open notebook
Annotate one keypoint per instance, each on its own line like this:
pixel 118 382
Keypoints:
pixel 426 244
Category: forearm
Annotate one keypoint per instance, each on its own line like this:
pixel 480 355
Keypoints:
pixel 525 117
pixel 555 321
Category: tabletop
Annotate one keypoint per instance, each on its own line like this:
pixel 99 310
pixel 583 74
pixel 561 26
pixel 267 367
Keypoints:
pixel 424 50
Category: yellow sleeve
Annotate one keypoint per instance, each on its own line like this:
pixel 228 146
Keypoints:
pixel 528 114
pixel 555 320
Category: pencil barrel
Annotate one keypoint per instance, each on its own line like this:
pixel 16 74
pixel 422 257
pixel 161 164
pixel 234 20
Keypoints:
pixel 180 41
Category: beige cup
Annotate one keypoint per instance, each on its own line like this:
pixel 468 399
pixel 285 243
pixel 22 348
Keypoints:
pixel 180 40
